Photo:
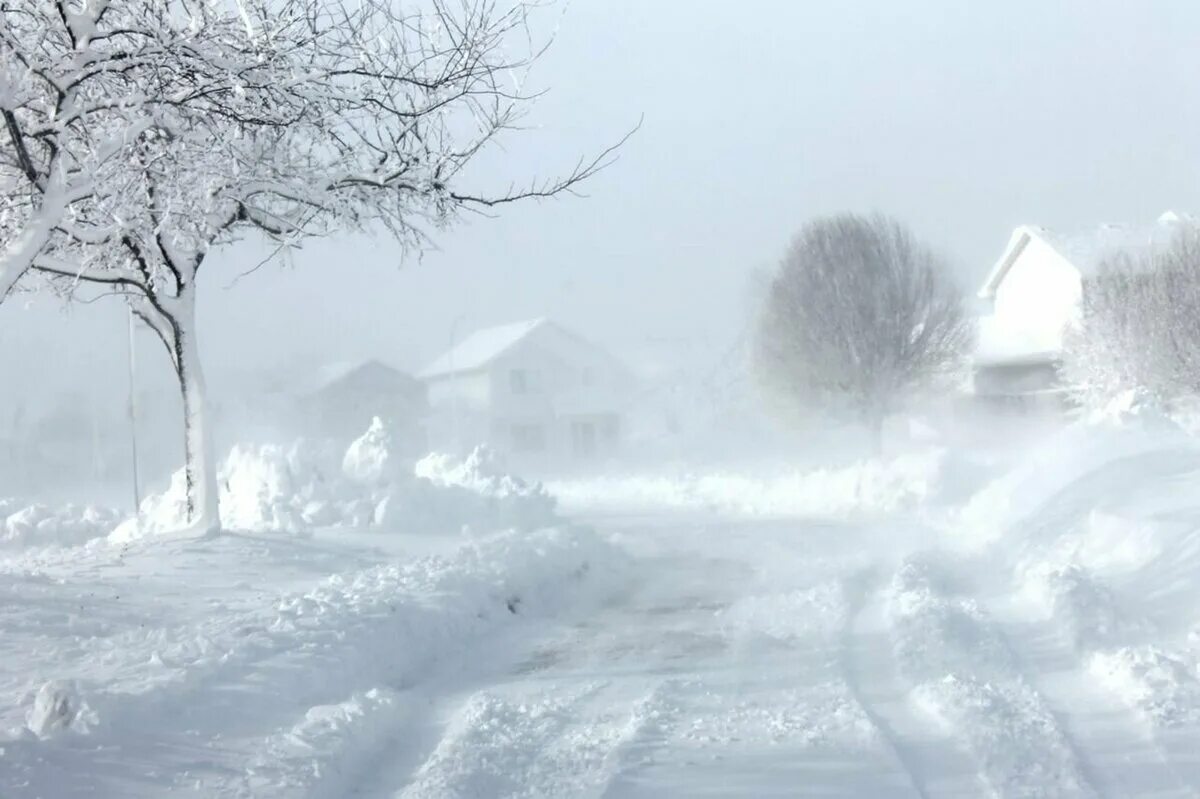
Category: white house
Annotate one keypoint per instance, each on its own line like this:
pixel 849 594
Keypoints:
pixel 1034 292
pixel 530 389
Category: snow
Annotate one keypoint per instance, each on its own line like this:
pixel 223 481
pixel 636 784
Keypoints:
pixel 480 348
pixel 861 488
pixel 40 525
pixel 295 490
pixel 1024 627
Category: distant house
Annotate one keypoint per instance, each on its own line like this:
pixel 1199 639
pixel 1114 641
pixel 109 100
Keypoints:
pixel 529 389
pixel 1034 293
pixel 339 401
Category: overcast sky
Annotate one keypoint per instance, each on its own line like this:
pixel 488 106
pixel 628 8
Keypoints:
pixel 962 119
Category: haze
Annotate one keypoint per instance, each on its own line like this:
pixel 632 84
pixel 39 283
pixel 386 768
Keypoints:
pixel 961 119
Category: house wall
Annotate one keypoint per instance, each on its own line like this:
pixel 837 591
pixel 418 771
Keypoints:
pixel 1036 300
pixel 549 397
pixel 472 391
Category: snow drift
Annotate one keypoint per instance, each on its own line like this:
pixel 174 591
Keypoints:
pixel 28 525
pixel 872 487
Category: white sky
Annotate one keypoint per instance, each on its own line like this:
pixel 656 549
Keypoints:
pixel 963 119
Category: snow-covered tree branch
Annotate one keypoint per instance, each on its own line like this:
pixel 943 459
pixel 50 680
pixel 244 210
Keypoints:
pixel 858 313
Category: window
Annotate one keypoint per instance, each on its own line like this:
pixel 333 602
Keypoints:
pixel 528 438
pixel 583 439
pixel 587 378
pixel 610 430
pixel 522 381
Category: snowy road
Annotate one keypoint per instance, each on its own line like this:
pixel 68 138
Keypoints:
pixel 677 653
pixel 817 659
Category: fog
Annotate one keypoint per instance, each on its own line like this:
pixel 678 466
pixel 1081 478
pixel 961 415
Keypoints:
pixel 725 472
pixel 962 120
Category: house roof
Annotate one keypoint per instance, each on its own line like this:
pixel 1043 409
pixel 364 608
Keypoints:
pixel 1088 250
pixel 335 373
pixel 480 348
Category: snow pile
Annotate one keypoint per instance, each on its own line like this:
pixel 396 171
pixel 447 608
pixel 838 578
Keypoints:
pixel 1157 684
pixel 868 488
pixel 1058 484
pixel 478 480
pixel 270 488
pixel 328 739
pixel 371 457
pixel 39 525
pixel 57 706
pixel 818 611
pixel 262 488
pixel 1083 606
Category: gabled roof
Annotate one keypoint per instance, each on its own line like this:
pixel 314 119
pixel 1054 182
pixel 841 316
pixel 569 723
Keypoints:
pixel 372 369
pixel 1086 251
pixel 480 348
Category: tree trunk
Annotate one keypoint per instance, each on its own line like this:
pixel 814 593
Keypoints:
pixel 874 421
pixel 200 468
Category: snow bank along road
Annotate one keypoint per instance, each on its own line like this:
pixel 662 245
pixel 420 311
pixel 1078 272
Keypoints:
pixel 1037 641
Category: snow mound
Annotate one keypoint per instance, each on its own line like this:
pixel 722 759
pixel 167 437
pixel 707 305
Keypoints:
pixel 1071 475
pixel 270 488
pixel 266 488
pixel 1157 684
pixel 300 760
pixel 484 491
pixel 371 457
pixel 1082 605
pixel 820 611
pixel 867 488
pixel 39 525
pixel 936 632
pixel 57 706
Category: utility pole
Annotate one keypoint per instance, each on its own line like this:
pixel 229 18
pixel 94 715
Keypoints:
pixel 137 489
pixel 455 388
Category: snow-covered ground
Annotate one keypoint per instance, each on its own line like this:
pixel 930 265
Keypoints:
pixel 934 625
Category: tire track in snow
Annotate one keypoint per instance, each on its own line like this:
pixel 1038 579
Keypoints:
pixel 370 628
pixel 567 741
pixel 1077 639
pixel 967 677
pixel 929 758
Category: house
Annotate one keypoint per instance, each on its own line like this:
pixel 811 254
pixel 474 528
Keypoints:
pixel 1034 292
pixel 531 389
pixel 340 400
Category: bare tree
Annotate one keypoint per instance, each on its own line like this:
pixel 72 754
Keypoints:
pixel 300 118
pixel 1139 326
pixel 858 314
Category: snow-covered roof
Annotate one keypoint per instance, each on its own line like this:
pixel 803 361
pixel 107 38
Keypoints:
pixel 334 373
pixel 480 348
pixel 1087 251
